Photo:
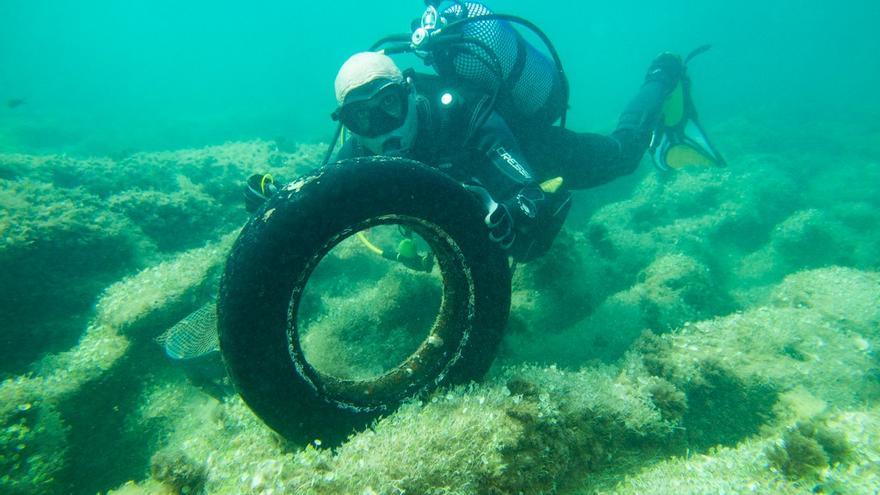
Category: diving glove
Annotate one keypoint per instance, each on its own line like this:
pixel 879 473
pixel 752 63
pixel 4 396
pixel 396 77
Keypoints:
pixel 258 189
pixel 526 224
pixel 514 216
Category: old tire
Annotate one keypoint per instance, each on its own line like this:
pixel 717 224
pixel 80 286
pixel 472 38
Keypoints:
pixel 275 254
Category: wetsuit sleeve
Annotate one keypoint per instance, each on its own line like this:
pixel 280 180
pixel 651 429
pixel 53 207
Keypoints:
pixel 637 122
pixel 523 219
pixel 501 166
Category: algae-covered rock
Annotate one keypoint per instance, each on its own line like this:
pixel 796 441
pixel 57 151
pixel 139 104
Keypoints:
pixel 531 430
pixel 769 350
pixel 538 430
pixel 752 225
pixel 557 289
pixel 751 372
pixel 218 170
pixel 837 293
pixel 370 331
pixel 33 444
pixel 708 214
pixel 71 226
pixel 749 467
pixel 361 314
pixel 161 216
pixel 780 347
pixel 58 249
pixel 808 239
pixel 807 448
pixel 842 233
pixel 148 487
pixel 165 292
pixel 147 300
pixel 176 470
pixel 672 290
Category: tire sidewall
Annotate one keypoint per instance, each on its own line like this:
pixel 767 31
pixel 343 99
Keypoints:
pixel 280 242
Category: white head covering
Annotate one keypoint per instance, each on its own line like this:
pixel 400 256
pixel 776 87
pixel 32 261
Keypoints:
pixel 362 68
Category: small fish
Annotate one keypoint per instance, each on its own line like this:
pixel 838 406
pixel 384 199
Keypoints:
pixel 15 102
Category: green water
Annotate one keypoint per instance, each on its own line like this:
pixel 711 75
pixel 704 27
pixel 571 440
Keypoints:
pixel 106 76
pixel 707 331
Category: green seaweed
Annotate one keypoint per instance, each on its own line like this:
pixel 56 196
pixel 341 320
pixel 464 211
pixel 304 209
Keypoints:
pixel 178 471
pixel 725 305
pixel 808 447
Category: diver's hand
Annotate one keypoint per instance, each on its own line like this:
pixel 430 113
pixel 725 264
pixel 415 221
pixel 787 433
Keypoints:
pixel 500 222
pixel 497 219
pixel 513 217
pixel 509 218
pixel 667 69
pixel 258 189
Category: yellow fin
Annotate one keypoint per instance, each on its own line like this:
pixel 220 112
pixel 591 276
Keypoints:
pixel 673 106
pixel 683 155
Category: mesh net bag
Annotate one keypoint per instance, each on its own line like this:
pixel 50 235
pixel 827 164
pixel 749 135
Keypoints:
pixel 193 336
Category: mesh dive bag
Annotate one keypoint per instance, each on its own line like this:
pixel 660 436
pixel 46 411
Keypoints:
pixel 532 91
pixel 193 336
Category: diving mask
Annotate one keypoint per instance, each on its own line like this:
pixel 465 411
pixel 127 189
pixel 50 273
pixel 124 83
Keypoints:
pixel 381 110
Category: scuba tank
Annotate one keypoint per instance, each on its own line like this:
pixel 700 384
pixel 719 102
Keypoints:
pixel 484 50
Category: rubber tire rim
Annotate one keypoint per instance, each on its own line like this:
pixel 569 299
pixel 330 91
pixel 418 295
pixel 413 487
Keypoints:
pixel 276 252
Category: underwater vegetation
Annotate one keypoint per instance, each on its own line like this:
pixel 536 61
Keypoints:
pixel 808 447
pixel 71 227
pixel 707 331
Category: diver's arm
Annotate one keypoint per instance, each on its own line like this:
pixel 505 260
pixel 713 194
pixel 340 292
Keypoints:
pixel 504 170
pixel 640 117
pixel 642 112
pixel 513 198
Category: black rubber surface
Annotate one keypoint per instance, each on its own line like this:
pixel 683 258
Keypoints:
pixel 281 245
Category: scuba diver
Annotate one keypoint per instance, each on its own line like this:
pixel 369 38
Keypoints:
pixel 474 160
pixel 494 132
pixel 391 112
